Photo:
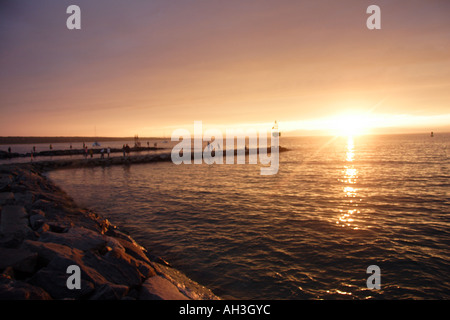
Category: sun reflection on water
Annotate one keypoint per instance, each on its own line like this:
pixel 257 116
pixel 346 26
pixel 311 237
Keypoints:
pixel 349 179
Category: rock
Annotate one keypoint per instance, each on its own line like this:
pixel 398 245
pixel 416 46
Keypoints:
pixel 36 221
pixel 44 228
pixel 25 199
pixel 117 267
pixel 6 198
pixel 21 260
pixel 48 251
pixel 10 241
pixel 110 291
pixel 43 204
pixel 159 288
pixel 37 211
pixel 79 238
pixel 188 287
pixel 133 249
pixel 58 227
pixel 53 279
pixel 5 181
pixel 14 221
pixel 17 290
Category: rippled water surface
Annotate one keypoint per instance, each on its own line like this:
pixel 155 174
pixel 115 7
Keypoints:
pixel 336 206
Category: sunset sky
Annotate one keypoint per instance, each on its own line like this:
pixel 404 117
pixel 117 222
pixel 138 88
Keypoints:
pixel 149 67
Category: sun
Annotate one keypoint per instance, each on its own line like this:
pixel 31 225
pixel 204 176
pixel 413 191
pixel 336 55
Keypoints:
pixel 350 124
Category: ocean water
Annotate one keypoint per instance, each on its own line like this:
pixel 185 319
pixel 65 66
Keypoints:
pixel 336 206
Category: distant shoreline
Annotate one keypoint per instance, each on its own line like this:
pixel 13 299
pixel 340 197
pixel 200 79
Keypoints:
pixel 11 140
pixel 31 140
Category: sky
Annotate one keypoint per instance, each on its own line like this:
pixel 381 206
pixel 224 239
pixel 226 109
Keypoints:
pixel 150 67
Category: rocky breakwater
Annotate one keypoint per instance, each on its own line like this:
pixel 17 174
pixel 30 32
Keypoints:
pixel 43 232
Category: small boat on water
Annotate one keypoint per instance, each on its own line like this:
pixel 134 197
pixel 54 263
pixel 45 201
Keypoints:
pixel 96 144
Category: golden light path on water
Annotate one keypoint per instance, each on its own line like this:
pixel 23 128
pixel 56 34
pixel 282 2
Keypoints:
pixel 349 179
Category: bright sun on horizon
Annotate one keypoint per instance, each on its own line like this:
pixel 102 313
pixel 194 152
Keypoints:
pixel 351 124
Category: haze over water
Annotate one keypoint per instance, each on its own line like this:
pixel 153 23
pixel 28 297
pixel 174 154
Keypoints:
pixel 336 206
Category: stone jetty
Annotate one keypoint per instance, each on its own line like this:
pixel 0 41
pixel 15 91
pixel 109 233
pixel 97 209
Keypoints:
pixel 43 232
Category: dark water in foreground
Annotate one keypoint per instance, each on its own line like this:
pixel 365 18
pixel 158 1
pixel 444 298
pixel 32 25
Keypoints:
pixel 335 207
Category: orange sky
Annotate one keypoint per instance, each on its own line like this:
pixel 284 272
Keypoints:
pixel 149 67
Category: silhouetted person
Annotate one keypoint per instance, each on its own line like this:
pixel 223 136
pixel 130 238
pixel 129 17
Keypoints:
pixel 108 151
pixel 51 147
pixel 9 150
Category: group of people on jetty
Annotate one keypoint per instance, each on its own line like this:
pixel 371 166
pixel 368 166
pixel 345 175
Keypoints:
pixel 90 152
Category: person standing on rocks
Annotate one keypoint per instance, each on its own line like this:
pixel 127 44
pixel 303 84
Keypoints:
pixel 108 151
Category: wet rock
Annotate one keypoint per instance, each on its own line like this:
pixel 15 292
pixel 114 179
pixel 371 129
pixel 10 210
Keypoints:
pixel 133 249
pixel 159 288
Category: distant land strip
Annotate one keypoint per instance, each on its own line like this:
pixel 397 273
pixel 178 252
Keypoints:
pixel 31 140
